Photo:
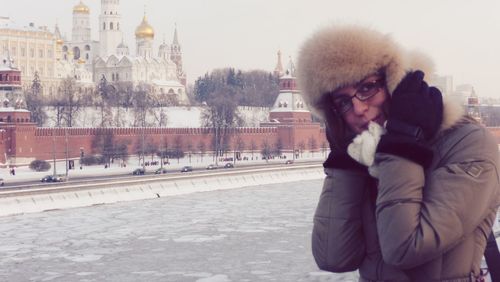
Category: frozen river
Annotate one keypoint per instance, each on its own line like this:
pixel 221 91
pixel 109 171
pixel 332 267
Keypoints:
pixel 249 234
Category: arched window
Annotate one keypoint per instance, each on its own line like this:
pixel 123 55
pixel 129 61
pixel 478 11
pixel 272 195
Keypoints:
pixel 118 26
pixel 76 53
pixel 111 25
pixel 87 56
pixel 87 48
pixel 104 24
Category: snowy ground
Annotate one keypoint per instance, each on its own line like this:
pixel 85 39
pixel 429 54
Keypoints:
pixel 249 234
pixel 176 117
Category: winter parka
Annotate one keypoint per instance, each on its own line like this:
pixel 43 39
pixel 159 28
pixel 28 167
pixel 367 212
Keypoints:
pixel 410 224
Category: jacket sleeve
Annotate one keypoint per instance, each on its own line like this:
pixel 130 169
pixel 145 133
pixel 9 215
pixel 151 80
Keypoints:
pixel 337 236
pixel 421 216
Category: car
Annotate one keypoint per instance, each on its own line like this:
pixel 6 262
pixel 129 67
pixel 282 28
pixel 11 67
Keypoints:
pixel 211 166
pixel 160 170
pixel 139 171
pixel 53 178
pixel 228 165
pixel 1 181
pixel 186 168
pixel 289 162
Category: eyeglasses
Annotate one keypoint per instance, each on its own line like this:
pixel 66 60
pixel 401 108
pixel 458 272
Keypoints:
pixel 343 103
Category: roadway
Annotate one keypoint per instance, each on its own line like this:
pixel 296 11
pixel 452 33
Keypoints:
pixel 126 175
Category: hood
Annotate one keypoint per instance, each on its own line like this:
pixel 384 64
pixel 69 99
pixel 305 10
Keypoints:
pixel 341 55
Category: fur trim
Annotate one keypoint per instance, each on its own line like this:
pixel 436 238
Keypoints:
pixel 338 56
pixel 452 113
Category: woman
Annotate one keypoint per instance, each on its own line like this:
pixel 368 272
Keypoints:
pixel 426 210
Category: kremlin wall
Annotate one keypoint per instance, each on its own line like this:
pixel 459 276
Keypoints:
pixel 290 123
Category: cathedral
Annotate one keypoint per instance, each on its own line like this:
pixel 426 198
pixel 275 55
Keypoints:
pixel 111 59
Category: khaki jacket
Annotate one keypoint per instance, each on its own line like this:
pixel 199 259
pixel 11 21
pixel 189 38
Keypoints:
pixel 411 224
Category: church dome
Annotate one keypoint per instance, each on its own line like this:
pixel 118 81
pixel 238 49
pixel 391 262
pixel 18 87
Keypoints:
pixel 144 30
pixel 59 41
pixel 81 9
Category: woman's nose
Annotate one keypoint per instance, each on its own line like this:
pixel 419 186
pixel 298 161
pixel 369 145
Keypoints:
pixel 358 106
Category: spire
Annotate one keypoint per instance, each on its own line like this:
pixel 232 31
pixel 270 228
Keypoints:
pixel 176 41
pixel 57 32
pixel 291 67
pixel 278 70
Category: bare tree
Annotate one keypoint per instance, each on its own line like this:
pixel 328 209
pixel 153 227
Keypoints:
pixel 35 102
pixel 221 115
pixel 239 146
pixel 266 150
pixel 278 147
pixel 312 144
pixel 253 147
pixel 302 147
pixel 104 91
pixel 142 103
pixel 70 100
pixel 151 148
pixel 201 148
pixel 178 152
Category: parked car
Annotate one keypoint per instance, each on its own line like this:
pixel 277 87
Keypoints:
pixel 186 168
pixel 53 178
pixel 212 166
pixel 160 170
pixel 139 171
pixel 228 165
pixel 289 162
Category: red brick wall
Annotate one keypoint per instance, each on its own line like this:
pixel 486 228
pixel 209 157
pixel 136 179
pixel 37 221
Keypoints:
pixel 40 142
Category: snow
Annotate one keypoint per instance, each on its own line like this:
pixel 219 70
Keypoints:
pixel 257 233
pixel 176 116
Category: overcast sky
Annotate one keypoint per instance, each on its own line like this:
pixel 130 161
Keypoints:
pixel 462 36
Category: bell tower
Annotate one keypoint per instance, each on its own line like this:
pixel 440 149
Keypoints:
pixel 110 35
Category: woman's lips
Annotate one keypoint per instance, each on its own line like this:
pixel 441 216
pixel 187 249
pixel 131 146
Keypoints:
pixel 378 119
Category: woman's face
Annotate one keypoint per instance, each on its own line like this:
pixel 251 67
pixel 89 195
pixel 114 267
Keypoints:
pixel 361 103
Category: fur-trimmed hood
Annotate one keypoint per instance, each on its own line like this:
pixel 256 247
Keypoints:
pixel 338 56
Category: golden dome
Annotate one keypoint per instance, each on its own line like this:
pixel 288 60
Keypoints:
pixel 81 9
pixel 144 30
pixel 59 42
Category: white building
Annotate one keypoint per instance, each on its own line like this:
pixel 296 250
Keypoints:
pixel 32 49
pixel 81 49
pixel 162 69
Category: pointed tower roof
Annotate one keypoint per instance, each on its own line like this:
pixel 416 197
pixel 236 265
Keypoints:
pixel 57 34
pixel 278 70
pixel 176 40
pixel 290 70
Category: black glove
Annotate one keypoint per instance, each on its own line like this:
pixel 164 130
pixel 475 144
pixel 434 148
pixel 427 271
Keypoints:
pixel 338 157
pixel 415 115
